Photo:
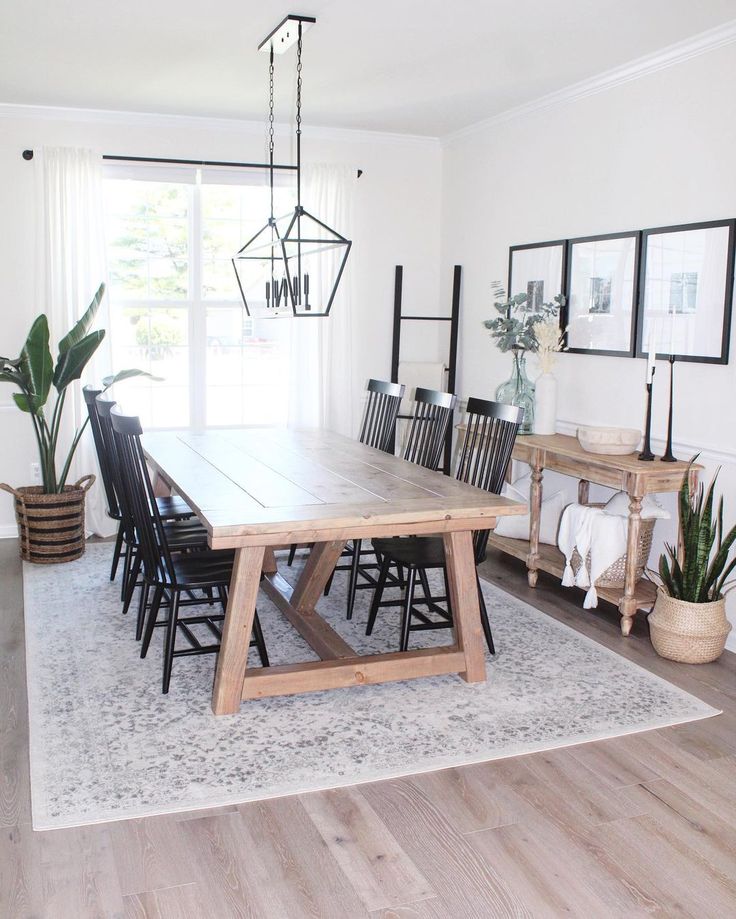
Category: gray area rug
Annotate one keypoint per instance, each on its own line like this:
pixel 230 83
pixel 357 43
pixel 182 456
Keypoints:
pixel 107 745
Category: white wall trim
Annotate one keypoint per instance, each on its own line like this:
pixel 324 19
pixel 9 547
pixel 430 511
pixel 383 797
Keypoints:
pixel 201 123
pixel 701 43
pixel 9 531
pixel 711 455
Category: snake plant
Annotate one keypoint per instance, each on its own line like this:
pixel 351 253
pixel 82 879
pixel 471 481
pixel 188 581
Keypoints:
pixel 34 373
pixel 700 575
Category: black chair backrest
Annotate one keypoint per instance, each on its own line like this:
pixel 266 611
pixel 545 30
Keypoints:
pixel 90 397
pixel 381 411
pixel 433 412
pixel 140 496
pixel 104 408
pixel 486 452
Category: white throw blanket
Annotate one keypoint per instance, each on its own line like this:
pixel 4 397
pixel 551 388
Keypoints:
pixel 590 530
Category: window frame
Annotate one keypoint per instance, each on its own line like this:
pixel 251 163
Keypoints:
pixel 195 304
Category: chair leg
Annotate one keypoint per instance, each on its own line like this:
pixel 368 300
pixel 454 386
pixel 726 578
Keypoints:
pixel 260 641
pixel 292 553
pixel 170 639
pixel 353 580
pixel 142 606
pixel 135 570
pixel 378 595
pixel 484 618
pixel 406 612
pixel 117 552
pixel 425 584
pixel 328 586
pixel 127 559
pixel 158 595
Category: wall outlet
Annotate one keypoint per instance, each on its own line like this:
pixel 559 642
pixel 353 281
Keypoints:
pixel 36 473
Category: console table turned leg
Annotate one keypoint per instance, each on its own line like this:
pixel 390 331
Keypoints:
pixel 628 604
pixel 535 513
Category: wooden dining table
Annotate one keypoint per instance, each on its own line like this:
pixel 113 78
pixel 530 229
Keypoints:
pixel 258 489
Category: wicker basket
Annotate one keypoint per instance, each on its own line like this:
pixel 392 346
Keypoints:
pixel 615 575
pixel 691 633
pixel 51 527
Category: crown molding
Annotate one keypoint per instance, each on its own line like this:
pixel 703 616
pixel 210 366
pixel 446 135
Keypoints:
pixel 202 123
pixel 685 50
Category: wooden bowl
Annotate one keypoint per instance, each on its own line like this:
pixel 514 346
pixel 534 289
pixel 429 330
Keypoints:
pixel 609 441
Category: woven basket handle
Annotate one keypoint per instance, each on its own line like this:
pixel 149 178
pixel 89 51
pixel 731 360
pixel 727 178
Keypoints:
pixel 11 491
pixel 86 482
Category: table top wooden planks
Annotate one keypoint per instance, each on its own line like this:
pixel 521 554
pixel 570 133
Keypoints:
pixel 271 486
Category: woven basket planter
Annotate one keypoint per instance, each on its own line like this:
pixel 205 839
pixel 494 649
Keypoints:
pixel 615 575
pixel 51 527
pixel 691 633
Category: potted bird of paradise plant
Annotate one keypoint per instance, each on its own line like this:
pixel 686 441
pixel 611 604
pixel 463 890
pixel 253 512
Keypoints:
pixel 50 516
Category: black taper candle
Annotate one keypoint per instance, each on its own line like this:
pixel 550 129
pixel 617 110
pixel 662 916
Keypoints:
pixel 669 456
pixel 646 454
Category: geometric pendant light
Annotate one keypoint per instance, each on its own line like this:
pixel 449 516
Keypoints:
pixel 293 264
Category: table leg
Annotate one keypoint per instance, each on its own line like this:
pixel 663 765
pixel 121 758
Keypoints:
pixel 269 561
pixel 535 512
pixel 317 570
pixel 461 579
pixel 241 608
pixel 628 603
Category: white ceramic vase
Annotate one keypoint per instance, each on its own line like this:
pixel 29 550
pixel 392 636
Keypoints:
pixel 545 416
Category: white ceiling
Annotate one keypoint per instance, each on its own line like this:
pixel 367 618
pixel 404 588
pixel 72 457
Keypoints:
pixel 409 66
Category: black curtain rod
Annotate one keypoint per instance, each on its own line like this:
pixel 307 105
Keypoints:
pixel 28 155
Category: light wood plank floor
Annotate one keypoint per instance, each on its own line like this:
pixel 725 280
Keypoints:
pixel 642 825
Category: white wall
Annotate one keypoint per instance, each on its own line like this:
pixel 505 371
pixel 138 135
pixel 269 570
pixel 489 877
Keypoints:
pixel 398 211
pixel 651 152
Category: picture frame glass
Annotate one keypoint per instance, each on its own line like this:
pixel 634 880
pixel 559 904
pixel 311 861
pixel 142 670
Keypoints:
pixel 684 292
pixel 537 271
pixel 602 294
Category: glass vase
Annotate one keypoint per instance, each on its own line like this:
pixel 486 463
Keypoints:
pixel 519 390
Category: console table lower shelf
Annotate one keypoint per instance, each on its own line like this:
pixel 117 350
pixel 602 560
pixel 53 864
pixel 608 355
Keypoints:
pixel 551 560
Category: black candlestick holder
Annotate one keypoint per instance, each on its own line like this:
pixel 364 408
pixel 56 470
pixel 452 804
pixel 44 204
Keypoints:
pixel 669 457
pixel 646 454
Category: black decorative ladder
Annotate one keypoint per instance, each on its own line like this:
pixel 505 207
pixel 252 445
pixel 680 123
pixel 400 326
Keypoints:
pixel 453 319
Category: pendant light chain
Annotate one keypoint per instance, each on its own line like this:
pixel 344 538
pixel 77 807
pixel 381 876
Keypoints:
pixel 299 118
pixel 270 126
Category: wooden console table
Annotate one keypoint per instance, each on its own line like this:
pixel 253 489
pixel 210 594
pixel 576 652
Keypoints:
pixel 561 453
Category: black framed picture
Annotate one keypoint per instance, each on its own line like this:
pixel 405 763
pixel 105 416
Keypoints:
pixel 537 270
pixel 601 292
pixel 686 291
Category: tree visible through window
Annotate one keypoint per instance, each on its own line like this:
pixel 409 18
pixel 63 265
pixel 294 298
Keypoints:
pixel 176 310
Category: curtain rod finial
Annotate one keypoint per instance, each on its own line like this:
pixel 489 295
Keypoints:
pixel 28 154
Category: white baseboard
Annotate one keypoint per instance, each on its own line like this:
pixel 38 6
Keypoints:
pixel 9 531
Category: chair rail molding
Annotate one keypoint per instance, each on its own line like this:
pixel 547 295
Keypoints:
pixel 677 53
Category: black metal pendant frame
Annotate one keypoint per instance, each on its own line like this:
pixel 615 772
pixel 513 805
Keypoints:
pixel 288 288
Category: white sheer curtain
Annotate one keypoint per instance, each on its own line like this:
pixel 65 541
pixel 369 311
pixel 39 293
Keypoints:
pixel 321 384
pixel 72 264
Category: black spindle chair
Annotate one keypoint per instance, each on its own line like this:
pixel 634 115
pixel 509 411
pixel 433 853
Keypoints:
pixel 172 578
pixel 486 452
pixel 171 507
pixel 381 411
pixel 424 444
pixel 184 531
pixel 377 429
